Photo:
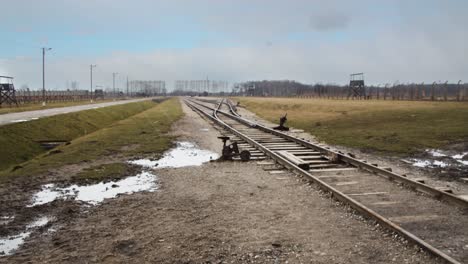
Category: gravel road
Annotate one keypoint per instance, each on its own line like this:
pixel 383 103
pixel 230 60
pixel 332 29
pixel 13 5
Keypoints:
pixel 6 119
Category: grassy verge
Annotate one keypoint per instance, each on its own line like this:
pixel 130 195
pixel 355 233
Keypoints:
pixel 19 141
pixel 32 107
pixel 143 133
pixel 400 127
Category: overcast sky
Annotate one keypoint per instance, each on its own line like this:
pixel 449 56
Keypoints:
pixel 304 40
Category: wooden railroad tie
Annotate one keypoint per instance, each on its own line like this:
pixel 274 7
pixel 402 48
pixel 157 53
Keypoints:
pixel 295 160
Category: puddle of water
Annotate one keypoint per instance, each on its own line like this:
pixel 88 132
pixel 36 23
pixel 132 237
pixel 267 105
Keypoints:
pixel 204 129
pixel 185 154
pixel 34 118
pixel 19 121
pixel 11 243
pixel 96 193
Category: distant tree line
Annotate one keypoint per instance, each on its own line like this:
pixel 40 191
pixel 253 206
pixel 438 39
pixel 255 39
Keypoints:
pixel 409 91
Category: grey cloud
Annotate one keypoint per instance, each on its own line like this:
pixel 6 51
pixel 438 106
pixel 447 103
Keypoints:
pixel 386 60
pixel 411 47
pixel 329 22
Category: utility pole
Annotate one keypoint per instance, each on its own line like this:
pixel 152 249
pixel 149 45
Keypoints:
pixel 91 75
pixel 113 81
pixel 127 85
pixel 43 75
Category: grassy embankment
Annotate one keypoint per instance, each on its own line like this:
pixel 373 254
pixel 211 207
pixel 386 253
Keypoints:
pixel 32 107
pixel 125 130
pixel 399 127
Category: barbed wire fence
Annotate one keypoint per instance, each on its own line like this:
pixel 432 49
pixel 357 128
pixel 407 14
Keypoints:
pixel 437 91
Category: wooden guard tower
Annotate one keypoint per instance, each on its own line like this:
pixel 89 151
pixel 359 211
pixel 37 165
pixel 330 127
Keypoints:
pixel 7 91
pixel 357 88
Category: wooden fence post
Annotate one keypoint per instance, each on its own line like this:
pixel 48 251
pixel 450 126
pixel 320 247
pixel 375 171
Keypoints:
pixel 459 90
pixel 445 90
pixel 432 91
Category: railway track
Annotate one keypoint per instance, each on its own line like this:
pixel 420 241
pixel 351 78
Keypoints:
pixel 431 218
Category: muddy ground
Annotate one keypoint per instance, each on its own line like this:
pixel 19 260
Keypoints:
pixel 215 213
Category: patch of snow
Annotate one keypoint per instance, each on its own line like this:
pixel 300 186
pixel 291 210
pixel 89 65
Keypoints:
pixel 40 222
pixel 439 163
pixel 459 156
pixel 185 154
pixel 96 193
pixel 46 195
pixel 11 243
pixel 421 163
pixel 429 163
pixel 436 153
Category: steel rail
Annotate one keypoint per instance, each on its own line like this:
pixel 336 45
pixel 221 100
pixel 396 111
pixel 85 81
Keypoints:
pixel 231 108
pixel 417 186
pixel 340 196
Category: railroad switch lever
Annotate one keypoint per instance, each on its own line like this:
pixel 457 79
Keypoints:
pixel 232 150
pixel 281 126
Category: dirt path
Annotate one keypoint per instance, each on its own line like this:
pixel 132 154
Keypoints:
pixel 217 213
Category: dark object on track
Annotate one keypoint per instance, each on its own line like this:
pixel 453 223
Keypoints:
pixel 232 150
pixel 281 126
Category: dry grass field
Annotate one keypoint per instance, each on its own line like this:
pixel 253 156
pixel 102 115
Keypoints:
pixel 399 127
